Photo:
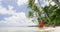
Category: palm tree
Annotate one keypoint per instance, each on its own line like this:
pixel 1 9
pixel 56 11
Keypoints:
pixel 35 10
pixel 50 13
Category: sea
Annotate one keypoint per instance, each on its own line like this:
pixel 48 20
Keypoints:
pixel 19 29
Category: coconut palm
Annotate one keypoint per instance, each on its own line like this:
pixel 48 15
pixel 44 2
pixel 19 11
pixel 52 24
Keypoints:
pixel 51 13
pixel 35 10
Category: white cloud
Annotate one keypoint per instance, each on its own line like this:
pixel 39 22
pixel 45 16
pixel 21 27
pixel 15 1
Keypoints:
pixel 10 7
pixel 36 1
pixel 19 2
pixel 46 3
pixel 17 19
pixel 52 3
pixel 43 3
pixel 5 11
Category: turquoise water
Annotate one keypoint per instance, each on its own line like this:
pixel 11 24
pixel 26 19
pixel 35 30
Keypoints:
pixel 19 29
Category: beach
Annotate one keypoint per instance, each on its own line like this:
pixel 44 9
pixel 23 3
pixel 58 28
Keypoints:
pixel 19 29
pixel 27 29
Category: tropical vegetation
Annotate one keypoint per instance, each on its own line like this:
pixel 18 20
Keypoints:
pixel 49 14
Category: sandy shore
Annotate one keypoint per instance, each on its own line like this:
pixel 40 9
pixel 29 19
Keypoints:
pixel 29 29
pixel 19 29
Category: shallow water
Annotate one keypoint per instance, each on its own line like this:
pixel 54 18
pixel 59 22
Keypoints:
pixel 27 29
pixel 19 29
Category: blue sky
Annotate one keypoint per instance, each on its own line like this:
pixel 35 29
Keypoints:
pixel 14 13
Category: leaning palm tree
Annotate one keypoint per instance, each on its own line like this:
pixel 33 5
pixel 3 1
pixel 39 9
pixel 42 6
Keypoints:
pixel 36 12
pixel 50 13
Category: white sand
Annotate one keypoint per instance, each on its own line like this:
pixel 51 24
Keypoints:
pixel 19 29
pixel 28 29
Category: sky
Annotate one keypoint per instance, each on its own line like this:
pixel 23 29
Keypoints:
pixel 14 13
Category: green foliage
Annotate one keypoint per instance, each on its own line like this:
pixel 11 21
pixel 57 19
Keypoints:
pixel 30 3
pixel 35 9
pixel 52 13
pixel 30 14
pixel 38 20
